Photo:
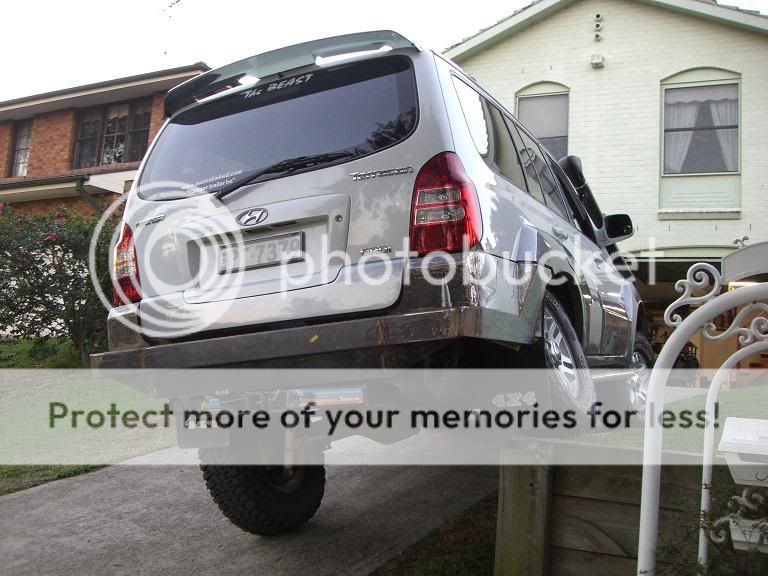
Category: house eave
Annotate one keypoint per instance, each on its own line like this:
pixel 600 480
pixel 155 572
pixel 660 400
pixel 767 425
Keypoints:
pixel 505 28
pixel 99 93
pixel 537 11
pixel 51 188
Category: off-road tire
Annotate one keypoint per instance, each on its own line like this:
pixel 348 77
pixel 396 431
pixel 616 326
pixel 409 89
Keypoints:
pixel 582 400
pixel 245 495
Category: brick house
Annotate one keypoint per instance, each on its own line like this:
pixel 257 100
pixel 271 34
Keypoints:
pixel 666 103
pixel 69 146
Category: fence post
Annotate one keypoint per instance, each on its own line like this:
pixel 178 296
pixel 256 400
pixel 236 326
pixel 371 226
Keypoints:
pixel 522 529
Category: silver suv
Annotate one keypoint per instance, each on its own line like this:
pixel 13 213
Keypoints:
pixel 357 201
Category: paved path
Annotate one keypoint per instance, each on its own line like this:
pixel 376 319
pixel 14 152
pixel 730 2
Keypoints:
pixel 160 520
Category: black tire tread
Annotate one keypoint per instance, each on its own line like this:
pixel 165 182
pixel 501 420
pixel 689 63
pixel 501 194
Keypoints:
pixel 246 498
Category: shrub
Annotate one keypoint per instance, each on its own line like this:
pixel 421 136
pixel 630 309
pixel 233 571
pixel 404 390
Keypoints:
pixel 47 291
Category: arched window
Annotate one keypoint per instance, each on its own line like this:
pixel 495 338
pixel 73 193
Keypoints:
pixel 701 122
pixel 543 109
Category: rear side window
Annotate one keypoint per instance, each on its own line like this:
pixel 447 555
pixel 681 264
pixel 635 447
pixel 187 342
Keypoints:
pixel 541 181
pixel 474 113
pixel 579 216
pixel 527 151
pixel 358 109
pixel 553 193
pixel 505 158
pixel 490 134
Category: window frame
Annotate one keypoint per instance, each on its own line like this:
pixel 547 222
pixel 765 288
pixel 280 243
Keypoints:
pixel 546 155
pixel 576 209
pixel 522 94
pixel 487 105
pixel 102 136
pixel 15 148
pixel 485 102
pixel 481 96
pixel 506 114
pixel 662 138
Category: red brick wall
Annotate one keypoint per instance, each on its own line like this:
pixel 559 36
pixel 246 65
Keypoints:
pixel 6 146
pixel 51 150
pixel 158 116
pixel 51 144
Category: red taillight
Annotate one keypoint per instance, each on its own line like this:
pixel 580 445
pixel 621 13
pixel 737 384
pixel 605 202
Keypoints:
pixel 446 212
pixel 125 272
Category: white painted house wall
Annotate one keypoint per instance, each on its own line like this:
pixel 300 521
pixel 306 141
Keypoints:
pixel 615 112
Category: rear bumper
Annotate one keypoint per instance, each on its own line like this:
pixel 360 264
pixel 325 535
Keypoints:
pixel 477 302
pixel 379 335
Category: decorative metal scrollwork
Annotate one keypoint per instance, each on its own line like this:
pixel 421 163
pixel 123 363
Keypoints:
pixel 752 504
pixel 748 511
pixel 757 329
pixel 720 532
pixel 701 276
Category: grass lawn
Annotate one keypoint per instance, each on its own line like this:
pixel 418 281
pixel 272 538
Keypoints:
pixel 27 354
pixel 464 545
pixel 28 435
pixel 740 402
pixel 15 478
pixel 23 417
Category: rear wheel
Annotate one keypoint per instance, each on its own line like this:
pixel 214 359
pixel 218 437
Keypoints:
pixel 570 382
pixel 266 500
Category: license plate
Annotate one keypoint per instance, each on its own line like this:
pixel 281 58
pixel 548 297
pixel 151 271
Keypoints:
pixel 261 253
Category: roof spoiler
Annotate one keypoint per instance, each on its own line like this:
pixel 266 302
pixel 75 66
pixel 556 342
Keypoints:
pixel 280 60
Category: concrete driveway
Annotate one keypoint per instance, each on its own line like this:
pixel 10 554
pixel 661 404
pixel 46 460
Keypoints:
pixel 160 520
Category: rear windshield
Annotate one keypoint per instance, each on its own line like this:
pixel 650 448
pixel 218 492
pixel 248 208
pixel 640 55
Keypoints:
pixel 357 109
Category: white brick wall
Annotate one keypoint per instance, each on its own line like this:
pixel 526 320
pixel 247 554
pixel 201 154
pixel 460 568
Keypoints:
pixel 615 112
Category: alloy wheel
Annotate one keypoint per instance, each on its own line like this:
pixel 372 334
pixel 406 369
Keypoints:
pixel 559 356
pixel 638 386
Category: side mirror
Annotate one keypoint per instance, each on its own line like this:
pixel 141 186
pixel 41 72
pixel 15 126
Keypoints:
pixel 617 227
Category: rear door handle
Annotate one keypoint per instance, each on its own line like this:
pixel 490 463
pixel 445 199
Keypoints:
pixel 559 233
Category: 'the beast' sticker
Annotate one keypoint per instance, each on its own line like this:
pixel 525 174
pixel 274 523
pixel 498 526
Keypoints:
pixel 277 85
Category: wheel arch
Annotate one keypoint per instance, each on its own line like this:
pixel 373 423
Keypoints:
pixel 565 288
pixel 641 324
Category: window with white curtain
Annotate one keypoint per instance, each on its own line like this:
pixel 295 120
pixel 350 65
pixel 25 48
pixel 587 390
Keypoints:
pixel 701 129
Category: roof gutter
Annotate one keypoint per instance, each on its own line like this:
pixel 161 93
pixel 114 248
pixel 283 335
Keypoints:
pixel 84 194
pixel 79 181
pixel 25 183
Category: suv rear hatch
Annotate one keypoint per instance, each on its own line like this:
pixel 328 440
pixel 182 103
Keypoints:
pixel 218 250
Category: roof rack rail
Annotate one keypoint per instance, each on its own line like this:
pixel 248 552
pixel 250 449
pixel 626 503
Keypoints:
pixel 276 61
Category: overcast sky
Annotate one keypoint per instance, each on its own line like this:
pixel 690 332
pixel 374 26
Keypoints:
pixel 47 45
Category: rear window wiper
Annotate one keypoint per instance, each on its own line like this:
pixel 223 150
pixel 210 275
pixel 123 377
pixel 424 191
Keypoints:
pixel 289 165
